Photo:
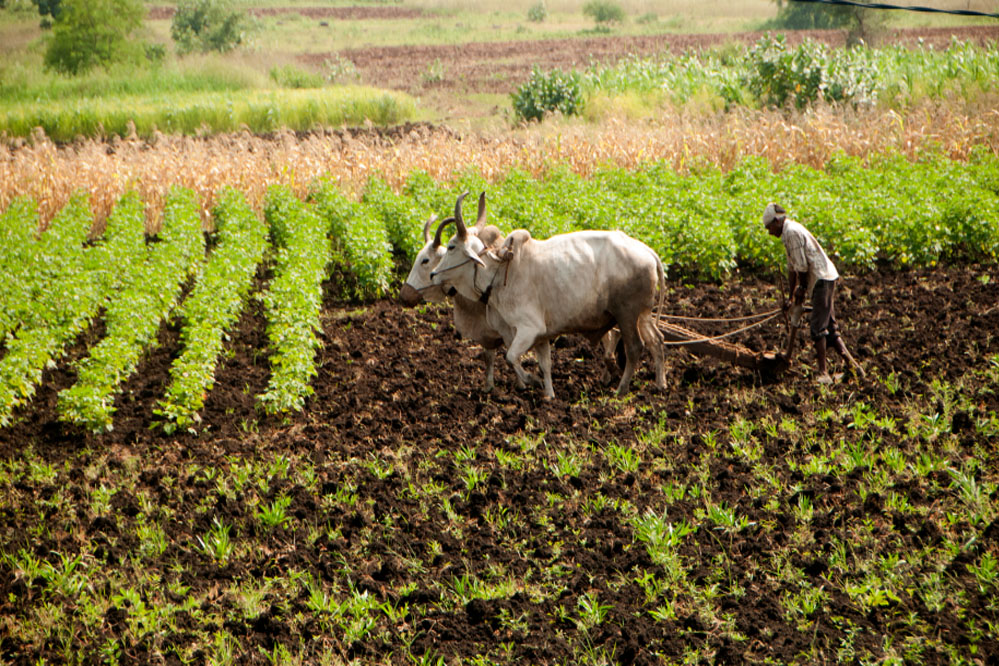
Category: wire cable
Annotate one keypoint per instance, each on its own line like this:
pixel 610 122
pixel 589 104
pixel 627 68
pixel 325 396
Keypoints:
pixel 908 8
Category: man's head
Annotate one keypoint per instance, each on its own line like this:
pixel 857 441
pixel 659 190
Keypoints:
pixel 773 218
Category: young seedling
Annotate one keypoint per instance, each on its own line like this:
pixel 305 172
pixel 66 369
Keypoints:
pixel 216 543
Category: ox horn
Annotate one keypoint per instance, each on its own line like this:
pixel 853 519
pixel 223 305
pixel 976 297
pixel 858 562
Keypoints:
pixel 440 229
pixel 427 225
pixel 458 221
pixel 481 221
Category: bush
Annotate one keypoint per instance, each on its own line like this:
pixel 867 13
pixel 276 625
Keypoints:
pixel 537 13
pixel 603 11
pixel 206 25
pixel 557 91
pixel 340 70
pixel 805 74
pixel 91 33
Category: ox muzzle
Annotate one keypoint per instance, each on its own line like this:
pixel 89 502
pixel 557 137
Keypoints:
pixel 409 296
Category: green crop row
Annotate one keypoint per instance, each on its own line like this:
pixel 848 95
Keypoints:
pixel 72 295
pixel 704 224
pixel 17 253
pixel 213 306
pixel 293 299
pixel 361 237
pixel 31 267
pixel 150 289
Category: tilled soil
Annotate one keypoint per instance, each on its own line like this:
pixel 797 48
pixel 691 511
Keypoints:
pixel 396 389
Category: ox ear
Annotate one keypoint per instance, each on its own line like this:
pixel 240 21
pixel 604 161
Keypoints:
pixel 481 221
pixel 427 225
pixel 440 230
pixel 474 256
pixel 458 221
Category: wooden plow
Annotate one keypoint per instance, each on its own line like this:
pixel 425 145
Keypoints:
pixel 769 363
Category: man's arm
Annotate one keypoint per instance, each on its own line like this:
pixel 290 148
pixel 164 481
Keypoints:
pixel 798 286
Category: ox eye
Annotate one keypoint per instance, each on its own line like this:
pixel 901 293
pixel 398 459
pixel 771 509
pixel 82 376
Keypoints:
pixel 425 261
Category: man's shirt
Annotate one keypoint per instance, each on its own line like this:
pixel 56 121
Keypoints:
pixel 805 255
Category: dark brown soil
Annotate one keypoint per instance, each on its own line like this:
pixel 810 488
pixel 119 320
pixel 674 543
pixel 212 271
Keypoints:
pixel 500 67
pixel 396 384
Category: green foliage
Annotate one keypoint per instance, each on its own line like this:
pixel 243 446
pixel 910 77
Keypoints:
pixel 289 76
pixel 293 299
pixel 74 279
pixel 859 22
pixel 92 33
pixel 338 69
pixel 772 73
pixel 207 25
pixel 603 11
pixel 360 241
pixel 190 113
pixel 809 72
pixel 47 8
pixel 811 16
pixel 402 218
pixel 537 12
pixel 150 286
pixel 17 259
pixel 213 307
pixel 544 93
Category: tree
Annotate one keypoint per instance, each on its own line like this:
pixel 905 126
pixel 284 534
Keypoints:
pixel 91 33
pixel 206 25
pixel 861 23
pixel 47 8
pixel 603 11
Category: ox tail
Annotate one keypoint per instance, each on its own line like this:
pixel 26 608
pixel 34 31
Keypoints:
pixel 661 274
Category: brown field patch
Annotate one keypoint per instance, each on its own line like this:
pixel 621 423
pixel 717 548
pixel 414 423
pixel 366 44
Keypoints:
pixel 359 13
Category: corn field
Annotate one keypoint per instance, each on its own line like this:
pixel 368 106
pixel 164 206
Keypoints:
pixel 50 173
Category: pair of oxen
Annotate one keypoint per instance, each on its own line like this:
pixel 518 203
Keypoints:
pixel 522 292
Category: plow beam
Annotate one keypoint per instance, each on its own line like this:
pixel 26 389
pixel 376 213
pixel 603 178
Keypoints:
pixel 766 362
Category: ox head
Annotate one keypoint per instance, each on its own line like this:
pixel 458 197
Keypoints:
pixel 463 253
pixel 418 285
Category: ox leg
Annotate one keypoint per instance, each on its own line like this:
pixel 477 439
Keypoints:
pixel 653 339
pixel 519 346
pixel 488 357
pixel 543 350
pixel 633 351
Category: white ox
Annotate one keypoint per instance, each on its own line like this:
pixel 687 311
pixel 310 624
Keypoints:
pixel 469 314
pixel 583 282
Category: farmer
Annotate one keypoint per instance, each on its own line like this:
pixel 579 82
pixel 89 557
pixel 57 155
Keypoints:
pixel 810 270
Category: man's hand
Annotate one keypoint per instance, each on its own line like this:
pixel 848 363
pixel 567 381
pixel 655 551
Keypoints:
pixel 799 295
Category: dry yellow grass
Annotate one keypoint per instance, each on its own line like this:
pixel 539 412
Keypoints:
pixel 50 173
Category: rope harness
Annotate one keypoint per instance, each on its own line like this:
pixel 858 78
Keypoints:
pixel 482 293
pixel 767 316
